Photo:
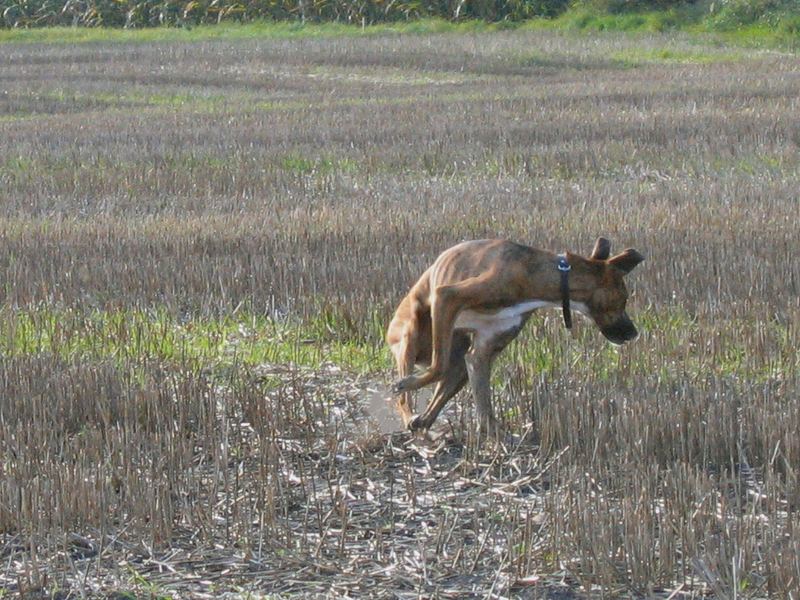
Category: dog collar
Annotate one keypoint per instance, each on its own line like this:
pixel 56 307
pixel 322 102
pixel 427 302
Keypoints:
pixel 564 268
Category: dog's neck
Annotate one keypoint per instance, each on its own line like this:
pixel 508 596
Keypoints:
pixel 545 280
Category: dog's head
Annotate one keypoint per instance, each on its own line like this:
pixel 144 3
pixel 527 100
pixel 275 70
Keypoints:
pixel 608 296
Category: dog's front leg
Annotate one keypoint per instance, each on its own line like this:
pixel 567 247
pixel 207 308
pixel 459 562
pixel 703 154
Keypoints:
pixel 479 368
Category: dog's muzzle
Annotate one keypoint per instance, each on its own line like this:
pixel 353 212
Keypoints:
pixel 620 331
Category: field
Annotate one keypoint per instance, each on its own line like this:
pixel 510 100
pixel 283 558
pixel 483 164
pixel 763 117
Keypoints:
pixel 202 239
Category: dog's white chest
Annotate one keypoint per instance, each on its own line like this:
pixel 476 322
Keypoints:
pixel 487 325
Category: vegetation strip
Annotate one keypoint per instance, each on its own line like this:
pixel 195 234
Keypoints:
pixel 737 24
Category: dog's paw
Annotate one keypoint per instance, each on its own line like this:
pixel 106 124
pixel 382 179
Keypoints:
pixel 415 424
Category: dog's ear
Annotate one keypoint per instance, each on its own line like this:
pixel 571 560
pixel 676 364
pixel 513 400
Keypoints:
pixel 626 260
pixel 602 249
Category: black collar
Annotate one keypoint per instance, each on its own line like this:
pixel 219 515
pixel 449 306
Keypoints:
pixel 564 268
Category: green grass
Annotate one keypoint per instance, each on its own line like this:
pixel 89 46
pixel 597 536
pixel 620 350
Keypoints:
pixel 581 19
pixel 678 334
pixel 216 345
pixel 637 56
pixel 141 336
pixel 781 31
pixel 778 31
pixel 121 102
pixel 756 35
pixel 235 31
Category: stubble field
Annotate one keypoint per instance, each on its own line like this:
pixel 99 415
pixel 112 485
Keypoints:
pixel 202 240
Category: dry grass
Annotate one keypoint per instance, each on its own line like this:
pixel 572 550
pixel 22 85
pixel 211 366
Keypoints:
pixel 200 243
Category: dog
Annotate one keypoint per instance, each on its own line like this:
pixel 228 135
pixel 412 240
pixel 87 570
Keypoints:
pixel 475 299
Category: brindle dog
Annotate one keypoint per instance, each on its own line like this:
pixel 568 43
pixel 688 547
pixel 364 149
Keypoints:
pixel 475 299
